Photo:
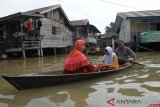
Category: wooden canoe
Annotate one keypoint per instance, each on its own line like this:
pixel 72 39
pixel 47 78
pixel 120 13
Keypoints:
pixel 29 81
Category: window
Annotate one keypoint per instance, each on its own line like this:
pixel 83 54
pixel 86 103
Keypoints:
pixel 152 27
pixel 49 14
pixel 158 26
pixel 53 30
pixel 45 15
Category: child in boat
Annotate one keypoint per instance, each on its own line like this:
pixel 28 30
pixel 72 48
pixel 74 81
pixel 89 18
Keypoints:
pixel 77 62
pixel 110 60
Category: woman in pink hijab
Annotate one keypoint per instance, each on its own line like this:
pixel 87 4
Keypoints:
pixel 77 62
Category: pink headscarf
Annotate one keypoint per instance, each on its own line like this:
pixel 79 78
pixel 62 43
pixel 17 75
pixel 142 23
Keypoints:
pixel 79 43
pixel 76 58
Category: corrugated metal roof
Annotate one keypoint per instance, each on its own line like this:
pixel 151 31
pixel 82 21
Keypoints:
pixel 134 14
pixel 20 14
pixel 110 34
pixel 150 14
pixel 39 9
pixel 94 29
pixel 80 22
pixel 47 9
pixel 37 13
pixel 85 22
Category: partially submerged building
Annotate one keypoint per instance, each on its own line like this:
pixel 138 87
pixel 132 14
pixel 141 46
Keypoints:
pixel 110 39
pixel 44 29
pixel 82 29
pixel 140 29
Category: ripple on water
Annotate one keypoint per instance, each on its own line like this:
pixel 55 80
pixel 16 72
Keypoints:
pixel 143 76
pixel 108 82
pixel 130 92
pixel 3 105
pixel 157 72
pixel 154 65
pixel 7 97
pixel 124 77
pixel 110 90
pixel 129 80
pixel 152 86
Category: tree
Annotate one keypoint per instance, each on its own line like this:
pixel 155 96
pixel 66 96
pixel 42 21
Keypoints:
pixel 110 28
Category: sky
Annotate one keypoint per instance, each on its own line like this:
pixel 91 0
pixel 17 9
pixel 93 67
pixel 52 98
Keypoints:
pixel 99 12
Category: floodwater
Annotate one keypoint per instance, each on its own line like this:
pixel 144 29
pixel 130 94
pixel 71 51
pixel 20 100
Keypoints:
pixel 137 86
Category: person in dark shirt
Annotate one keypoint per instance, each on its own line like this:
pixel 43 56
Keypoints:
pixel 124 53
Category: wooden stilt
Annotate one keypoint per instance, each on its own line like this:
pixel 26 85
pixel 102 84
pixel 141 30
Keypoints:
pixel 113 47
pixel 23 50
pixel 66 51
pixel 136 34
pixel 41 52
pixel 24 54
pixel 55 51
pixel 41 49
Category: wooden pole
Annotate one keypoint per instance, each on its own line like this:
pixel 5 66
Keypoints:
pixel 136 31
pixel 66 51
pixel 55 51
pixel 41 52
pixel 23 50
pixel 113 46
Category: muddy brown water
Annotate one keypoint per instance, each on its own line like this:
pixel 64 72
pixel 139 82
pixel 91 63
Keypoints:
pixel 139 84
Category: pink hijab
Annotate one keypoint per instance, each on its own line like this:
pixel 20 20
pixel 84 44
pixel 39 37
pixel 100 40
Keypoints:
pixel 76 58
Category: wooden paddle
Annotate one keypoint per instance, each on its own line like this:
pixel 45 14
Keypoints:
pixel 133 61
pixel 147 65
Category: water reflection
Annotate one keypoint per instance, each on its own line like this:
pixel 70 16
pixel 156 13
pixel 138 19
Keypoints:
pixel 130 92
pixel 136 82
pixel 70 96
pixel 27 98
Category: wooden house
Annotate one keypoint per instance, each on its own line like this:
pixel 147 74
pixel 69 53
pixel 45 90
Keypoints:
pixel 15 36
pixel 82 29
pixel 110 39
pixel 49 30
pixel 131 26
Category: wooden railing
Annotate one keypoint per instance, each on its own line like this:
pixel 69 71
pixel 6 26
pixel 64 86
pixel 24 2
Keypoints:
pixel 14 43
pixel 31 42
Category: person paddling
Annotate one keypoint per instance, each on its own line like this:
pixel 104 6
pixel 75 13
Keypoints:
pixel 124 53
pixel 77 62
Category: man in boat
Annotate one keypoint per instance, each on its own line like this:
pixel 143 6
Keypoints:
pixel 124 53
pixel 110 60
pixel 77 62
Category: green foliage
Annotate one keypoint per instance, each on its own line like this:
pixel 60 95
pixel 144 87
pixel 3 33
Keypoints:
pixel 110 28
